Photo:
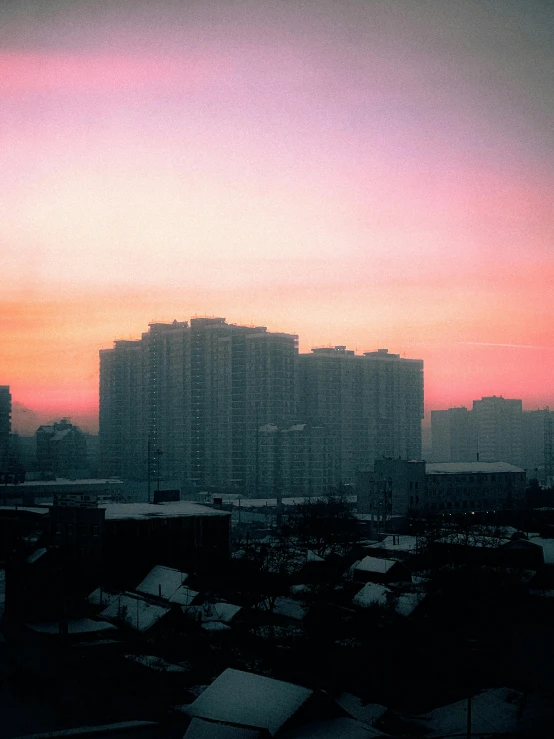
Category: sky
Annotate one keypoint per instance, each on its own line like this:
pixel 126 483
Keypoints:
pixel 370 174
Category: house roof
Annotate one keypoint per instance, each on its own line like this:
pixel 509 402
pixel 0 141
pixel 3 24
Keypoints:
pixel 142 511
pixel 344 727
pixel 248 699
pixel 493 710
pixel 289 608
pixel 547 548
pixel 100 597
pixel 469 468
pixel 404 543
pixel 366 712
pixel 214 612
pixel 370 594
pixel 200 729
pixel 74 626
pixel 183 596
pixel 135 612
pixel 162 581
pixel 374 564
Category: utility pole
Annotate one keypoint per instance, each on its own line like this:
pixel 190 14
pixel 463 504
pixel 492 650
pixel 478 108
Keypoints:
pixel 469 717
pixel 148 462
pixel 158 455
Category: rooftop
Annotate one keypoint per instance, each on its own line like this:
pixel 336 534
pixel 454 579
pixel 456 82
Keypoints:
pixel 373 564
pixel 138 511
pixel 450 468
pixel 247 699
pixel 162 581
pixel 134 611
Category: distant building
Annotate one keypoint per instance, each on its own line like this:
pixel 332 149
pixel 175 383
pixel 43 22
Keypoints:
pixel 184 402
pixel 5 424
pixel 295 460
pixel 398 487
pixel 498 426
pixel 392 488
pixel 537 448
pixel 372 404
pixel 61 449
pixel 453 435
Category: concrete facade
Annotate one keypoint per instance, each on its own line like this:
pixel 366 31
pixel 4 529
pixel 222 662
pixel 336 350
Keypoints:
pixel 371 403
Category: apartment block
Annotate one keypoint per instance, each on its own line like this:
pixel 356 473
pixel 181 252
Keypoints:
pixel 185 401
pixel 372 404
pixel 453 435
pixel 498 423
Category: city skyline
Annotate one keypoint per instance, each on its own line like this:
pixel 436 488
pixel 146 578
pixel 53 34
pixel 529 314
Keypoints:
pixel 370 175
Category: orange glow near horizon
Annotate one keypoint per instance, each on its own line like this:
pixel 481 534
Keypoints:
pixel 369 176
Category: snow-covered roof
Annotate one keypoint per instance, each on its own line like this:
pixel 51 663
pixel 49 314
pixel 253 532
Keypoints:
pixel 374 564
pixel 74 626
pixel 100 731
pixel 155 663
pixel 289 608
pixel 35 556
pixel 493 711
pixel 134 611
pixel 247 699
pixel 397 543
pixel 162 581
pixel 344 727
pixel 370 594
pixel 200 729
pixel 261 502
pixel 369 713
pixel 183 596
pixel 469 468
pixel 313 557
pixel 406 603
pixel 547 548
pixel 100 597
pixel 213 612
pixel 214 626
pixel 177 509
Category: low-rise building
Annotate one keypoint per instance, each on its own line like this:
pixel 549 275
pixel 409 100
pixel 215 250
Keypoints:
pixel 396 487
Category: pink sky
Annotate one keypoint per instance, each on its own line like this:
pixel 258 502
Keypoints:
pixel 362 173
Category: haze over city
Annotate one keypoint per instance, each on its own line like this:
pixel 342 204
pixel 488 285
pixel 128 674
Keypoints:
pixel 363 174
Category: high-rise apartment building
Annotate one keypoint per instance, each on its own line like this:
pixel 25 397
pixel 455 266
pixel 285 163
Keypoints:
pixel 295 460
pixel 5 423
pixel 185 401
pixel 453 435
pixel 498 426
pixel 372 404
pixel 537 449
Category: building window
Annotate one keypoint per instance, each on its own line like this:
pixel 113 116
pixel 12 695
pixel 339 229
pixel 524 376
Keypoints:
pixel 96 531
pixel 58 529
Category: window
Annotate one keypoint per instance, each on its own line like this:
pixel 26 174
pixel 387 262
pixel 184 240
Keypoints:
pixel 96 531
pixel 58 529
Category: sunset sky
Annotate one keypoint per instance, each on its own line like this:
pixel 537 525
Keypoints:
pixel 375 174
